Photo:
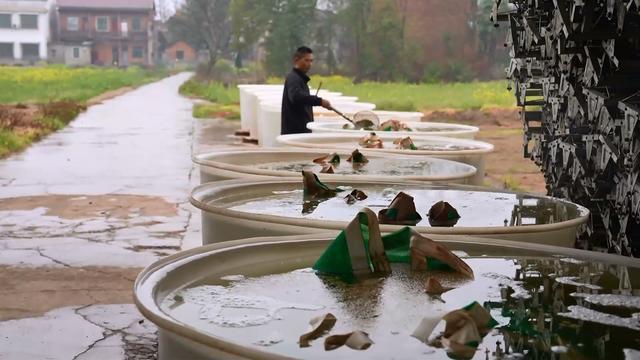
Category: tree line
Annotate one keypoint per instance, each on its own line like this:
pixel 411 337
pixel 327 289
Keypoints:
pixel 365 39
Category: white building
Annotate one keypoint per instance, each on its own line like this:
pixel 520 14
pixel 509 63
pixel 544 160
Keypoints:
pixel 24 31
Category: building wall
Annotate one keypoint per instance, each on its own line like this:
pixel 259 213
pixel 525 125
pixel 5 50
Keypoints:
pixel 444 28
pixel 190 55
pixel 83 52
pixel 18 36
pixel 120 37
pixel 88 20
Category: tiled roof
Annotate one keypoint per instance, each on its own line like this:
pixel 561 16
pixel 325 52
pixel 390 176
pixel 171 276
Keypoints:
pixel 107 4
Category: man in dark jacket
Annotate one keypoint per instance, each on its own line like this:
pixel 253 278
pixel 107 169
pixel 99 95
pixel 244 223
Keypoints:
pixel 297 103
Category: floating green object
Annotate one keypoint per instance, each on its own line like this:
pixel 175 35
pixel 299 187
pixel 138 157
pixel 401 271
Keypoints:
pixel 314 188
pixel 443 214
pixel 360 250
pixel 357 251
pixel 332 158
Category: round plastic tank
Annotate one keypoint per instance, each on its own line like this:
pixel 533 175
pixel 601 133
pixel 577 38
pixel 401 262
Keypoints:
pixel 269 124
pixel 248 208
pixel 268 280
pixel 252 106
pixel 283 163
pixel 245 102
pixel 418 128
pixel 383 115
pixel 346 108
pixel 470 152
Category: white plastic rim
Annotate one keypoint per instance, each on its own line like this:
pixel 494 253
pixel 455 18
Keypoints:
pixel 347 108
pixel 421 129
pixel 337 141
pixel 268 124
pixel 222 224
pixel 383 115
pixel 179 340
pixel 219 166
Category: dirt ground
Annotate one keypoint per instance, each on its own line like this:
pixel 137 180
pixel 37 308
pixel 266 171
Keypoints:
pixel 82 206
pixel 506 166
pixel 34 291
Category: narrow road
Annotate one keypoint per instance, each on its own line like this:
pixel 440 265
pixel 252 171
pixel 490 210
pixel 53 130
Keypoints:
pixel 81 213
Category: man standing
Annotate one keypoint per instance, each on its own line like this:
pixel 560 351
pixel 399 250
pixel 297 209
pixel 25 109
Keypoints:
pixel 297 103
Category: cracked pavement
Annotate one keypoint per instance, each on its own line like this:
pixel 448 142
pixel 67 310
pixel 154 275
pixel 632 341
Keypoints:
pixel 84 210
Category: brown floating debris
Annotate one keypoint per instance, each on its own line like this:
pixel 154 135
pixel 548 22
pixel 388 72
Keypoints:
pixel 355 195
pixel 422 248
pixel 327 168
pixel 401 211
pixel 332 158
pixel 357 340
pixel 314 188
pixel 425 328
pixel 393 125
pixel 405 144
pixel 371 141
pixel 357 158
pixel 319 326
pixel 464 329
pixel 433 287
pixel 443 214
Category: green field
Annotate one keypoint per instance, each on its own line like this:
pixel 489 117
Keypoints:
pixel 420 97
pixel 51 83
pixel 36 101
pixel 386 96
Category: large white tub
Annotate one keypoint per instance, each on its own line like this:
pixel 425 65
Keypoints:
pixel 346 108
pixel 247 108
pixel 237 209
pixel 383 115
pixel 419 129
pixel 268 125
pixel 470 152
pixel 182 335
pixel 286 163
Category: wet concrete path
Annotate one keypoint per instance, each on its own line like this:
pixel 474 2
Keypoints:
pixel 81 213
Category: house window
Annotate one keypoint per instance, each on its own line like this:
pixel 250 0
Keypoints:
pixel 102 24
pixel 76 53
pixel 73 23
pixel 136 24
pixel 29 21
pixel 6 50
pixel 30 51
pixel 137 52
pixel 5 21
pixel 180 55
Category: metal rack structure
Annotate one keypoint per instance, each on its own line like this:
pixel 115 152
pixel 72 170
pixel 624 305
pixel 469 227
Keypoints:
pixel 575 69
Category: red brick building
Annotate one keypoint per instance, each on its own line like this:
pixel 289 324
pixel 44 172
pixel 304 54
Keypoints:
pixel 105 32
pixel 180 52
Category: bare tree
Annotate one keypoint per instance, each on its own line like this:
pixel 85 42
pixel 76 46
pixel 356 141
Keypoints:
pixel 205 22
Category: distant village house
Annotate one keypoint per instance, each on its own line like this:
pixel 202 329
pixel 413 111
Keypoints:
pixel 180 52
pixel 24 31
pixel 104 32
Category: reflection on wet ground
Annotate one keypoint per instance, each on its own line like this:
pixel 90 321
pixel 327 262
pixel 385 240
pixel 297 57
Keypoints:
pixel 81 212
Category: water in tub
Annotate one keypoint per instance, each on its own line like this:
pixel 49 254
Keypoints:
pixel 476 208
pixel 547 308
pixel 375 166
